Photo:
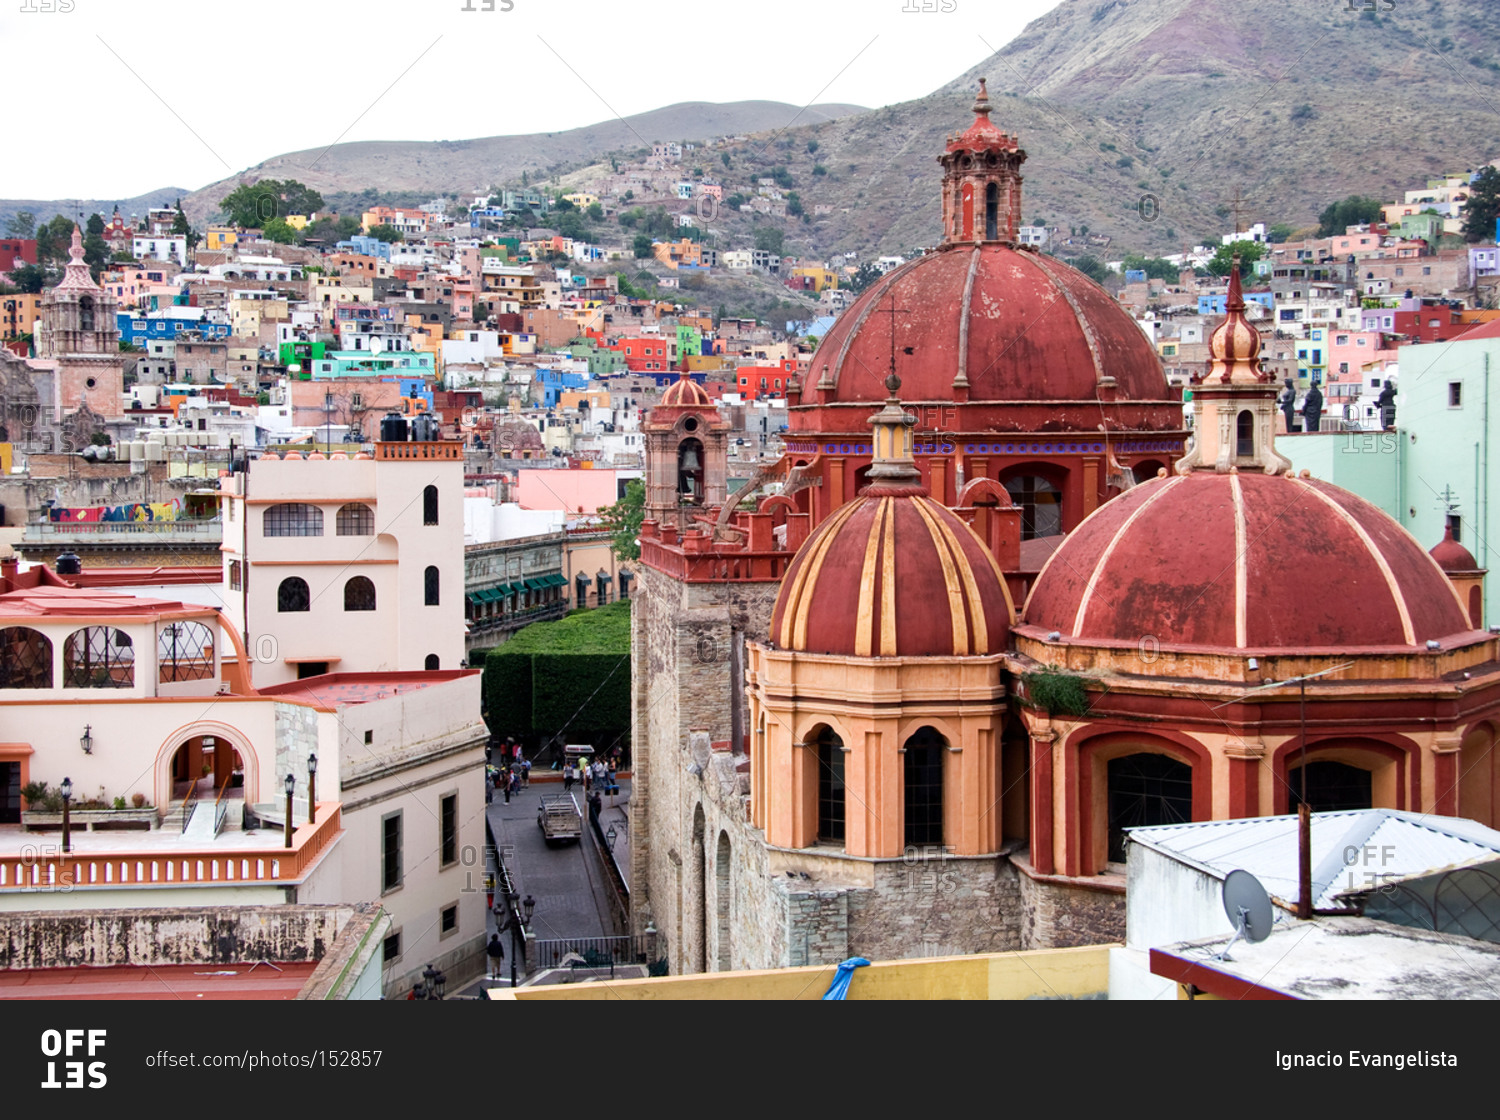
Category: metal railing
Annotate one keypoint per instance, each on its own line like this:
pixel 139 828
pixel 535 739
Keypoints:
pixel 43 529
pixel 596 952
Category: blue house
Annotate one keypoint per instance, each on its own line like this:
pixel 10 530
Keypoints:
pixel 1214 304
pixel 166 325
pixel 366 247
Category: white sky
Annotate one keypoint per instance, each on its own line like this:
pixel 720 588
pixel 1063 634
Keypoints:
pixel 123 85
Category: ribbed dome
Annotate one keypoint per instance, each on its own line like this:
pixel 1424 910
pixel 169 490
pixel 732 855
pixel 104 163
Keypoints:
pixel 1234 345
pixel 1015 325
pixel 1244 561
pixel 685 392
pixel 1452 556
pixel 893 576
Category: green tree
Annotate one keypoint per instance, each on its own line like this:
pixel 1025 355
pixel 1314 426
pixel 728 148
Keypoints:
pixel 865 275
pixel 252 205
pixel 794 204
pixel 622 521
pixel 386 233
pixel 1352 211
pixel 278 231
pixel 819 169
pixel 29 278
pixel 571 225
pixel 724 157
pixel 735 201
pixel 769 239
pixel 812 147
pixel 782 178
pixel 1154 267
pixel 329 230
pixel 1483 206
pixel 94 226
pixel 21 224
pixel 1092 267
pixel 595 212
pixel 641 246
pixel 1248 251
pixel 181 227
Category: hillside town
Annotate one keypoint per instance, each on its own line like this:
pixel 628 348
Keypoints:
pixel 922 563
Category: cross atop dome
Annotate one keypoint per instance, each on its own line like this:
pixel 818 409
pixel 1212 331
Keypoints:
pixel 981 181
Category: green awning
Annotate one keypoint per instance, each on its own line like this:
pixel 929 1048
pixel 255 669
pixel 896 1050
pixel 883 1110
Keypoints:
pixel 535 584
pixel 556 579
pixel 506 590
pixel 490 594
pixel 476 597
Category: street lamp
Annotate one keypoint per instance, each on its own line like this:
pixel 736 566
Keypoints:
pixel 291 784
pixel 312 789
pixel 434 984
pixel 609 837
pixel 67 796
pixel 86 741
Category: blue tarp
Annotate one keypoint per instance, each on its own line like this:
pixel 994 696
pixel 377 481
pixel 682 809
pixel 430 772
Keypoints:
pixel 839 989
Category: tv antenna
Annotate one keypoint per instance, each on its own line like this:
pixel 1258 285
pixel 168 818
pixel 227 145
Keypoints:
pixel 1248 907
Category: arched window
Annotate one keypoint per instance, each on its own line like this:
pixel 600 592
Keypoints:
pixel 1041 506
pixel 923 798
pixel 432 663
pixel 992 212
pixel 293 519
pixel 1146 789
pixel 723 888
pixel 293 595
pixel 1245 433
pixel 359 594
pixel 355 520
pixel 86 313
pixel 430 585
pixel 98 657
pixel 690 472
pixel 430 506
pixel 25 658
pixel 184 652
pixel 831 811
pixel 1331 786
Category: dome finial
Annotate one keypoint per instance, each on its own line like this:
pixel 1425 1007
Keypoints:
pixel 892 468
pixel 982 100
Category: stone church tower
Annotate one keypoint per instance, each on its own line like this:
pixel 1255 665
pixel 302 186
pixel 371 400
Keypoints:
pixel 80 340
pixel 686 455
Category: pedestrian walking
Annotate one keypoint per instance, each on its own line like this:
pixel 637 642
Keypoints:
pixel 514 786
pixel 596 804
pixel 568 778
pixel 525 773
pixel 505 786
pixel 496 951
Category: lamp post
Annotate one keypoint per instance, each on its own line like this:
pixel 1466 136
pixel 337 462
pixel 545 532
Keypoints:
pixel 67 796
pixel 86 740
pixel 433 985
pixel 312 789
pixel 291 785
pixel 609 838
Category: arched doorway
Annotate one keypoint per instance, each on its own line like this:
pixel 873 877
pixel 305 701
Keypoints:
pixel 206 767
pixel 1145 789
pixel 1040 502
pixel 922 796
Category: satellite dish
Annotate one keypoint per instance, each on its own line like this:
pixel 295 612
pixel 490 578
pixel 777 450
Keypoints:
pixel 1248 908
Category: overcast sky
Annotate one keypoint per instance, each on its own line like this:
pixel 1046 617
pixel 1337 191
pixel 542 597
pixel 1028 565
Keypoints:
pixel 136 96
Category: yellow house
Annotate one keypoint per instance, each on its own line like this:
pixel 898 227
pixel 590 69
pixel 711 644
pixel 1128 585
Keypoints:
pixel 220 237
pixel 581 199
pixel 821 277
pixel 296 221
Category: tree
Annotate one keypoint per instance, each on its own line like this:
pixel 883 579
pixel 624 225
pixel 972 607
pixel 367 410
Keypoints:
pixel 1155 268
pixel 812 146
pixel 769 239
pixel 865 275
pixel 21 224
pixel 386 233
pixel 181 227
pixel 724 157
pixel 1483 206
pixel 94 226
pixel 735 201
pixel 794 204
pixel 327 230
pixel 29 278
pixel 1248 251
pixel 252 205
pixel 622 521
pixel 278 231
pixel 95 249
pixel 819 169
pixel 1091 267
pixel 595 212
pixel 641 246
pixel 1352 211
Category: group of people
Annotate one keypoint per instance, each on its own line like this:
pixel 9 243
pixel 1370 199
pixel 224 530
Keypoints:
pixel 511 775
pixel 593 773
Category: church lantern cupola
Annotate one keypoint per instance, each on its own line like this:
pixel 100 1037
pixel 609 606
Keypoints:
pixel 981 182
pixel 687 455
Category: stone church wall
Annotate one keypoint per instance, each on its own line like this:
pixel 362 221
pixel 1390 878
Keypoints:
pixel 1055 915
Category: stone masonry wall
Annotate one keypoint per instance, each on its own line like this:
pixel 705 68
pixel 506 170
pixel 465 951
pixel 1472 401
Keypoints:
pixel 1057 916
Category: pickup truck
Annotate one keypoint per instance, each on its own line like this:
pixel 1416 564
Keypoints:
pixel 559 818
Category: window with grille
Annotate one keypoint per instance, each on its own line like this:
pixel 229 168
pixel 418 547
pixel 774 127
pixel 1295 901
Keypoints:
pixel 98 657
pixel 234 575
pixel 359 594
pixel 448 823
pixel 390 852
pixel 293 595
pixel 355 520
pixel 430 580
pixel 293 519
pixel 25 658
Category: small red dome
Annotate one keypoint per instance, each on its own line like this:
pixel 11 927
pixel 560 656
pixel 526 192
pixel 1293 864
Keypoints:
pixel 1020 326
pixel 1244 561
pixel 687 393
pixel 893 576
pixel 1452 556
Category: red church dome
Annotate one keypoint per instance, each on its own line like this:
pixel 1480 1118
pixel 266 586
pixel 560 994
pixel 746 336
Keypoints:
pixel 1244 561
pixel 1012 324
pixel 893 577
pixel 685 393
pixel 1452 556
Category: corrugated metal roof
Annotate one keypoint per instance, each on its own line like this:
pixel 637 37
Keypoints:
pixel 1350 850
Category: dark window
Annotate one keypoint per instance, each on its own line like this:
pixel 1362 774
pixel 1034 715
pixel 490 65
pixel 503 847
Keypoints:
pixel 432 663
pixel 1146 789
pixel 1455 394
pixel 293 595
pixel 924 787
pixel 391 948
pixel 830 786
pixel 1331 786
pixel 369 736
pixel 992 212
pixel 390 852
pixel 307 669
pixel 1456 527
pixel 25 658
pixel 293 519
pixel 234 575
pixel 359 594
pixel 355 520
pixel 98 657
pixel 1245 444
pixel 449 919
pixel 430 506
pixel 448 822
pixel 1041 506
pixel 430 586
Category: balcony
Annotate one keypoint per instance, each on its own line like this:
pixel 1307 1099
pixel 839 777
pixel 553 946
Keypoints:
pixel 161 858
pixel 100 532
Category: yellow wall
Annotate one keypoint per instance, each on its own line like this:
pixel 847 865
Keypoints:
pixel 1041 973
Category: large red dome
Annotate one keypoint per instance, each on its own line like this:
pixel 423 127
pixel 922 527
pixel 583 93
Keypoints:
pixel 1017 325
pixel 1244 561
pixel 893 577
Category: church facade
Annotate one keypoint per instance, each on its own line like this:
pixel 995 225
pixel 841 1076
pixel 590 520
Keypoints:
pixel 871 717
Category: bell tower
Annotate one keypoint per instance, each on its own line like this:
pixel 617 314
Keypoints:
pixel 80 338
pixel 687 455
pixel 981 182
